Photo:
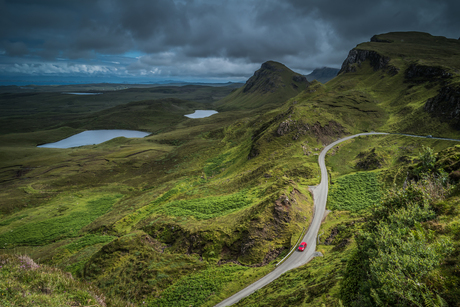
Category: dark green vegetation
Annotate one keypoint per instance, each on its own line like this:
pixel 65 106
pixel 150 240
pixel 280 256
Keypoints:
pixel 202 207
pixel 354 192
pixel 397 261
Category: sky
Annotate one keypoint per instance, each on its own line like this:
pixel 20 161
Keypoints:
pixel 65 41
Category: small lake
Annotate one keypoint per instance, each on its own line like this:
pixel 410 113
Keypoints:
pixel 82 94
pixel 201 113
pixel 93 137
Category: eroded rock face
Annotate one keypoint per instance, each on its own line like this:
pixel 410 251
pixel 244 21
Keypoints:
pixel 328 133
pixel 445 105
pixel 281 210
pixel 285 127
pixel 358 56
pixel 299 78
pixel 415 71
pixel 369 160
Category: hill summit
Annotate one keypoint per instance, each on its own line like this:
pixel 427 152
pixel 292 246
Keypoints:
pixel 273 83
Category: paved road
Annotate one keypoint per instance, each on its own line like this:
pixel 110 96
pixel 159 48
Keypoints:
pixel 299 258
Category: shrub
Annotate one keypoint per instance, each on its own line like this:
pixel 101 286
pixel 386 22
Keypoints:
pixel 395 253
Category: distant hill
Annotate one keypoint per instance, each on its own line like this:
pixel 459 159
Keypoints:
pixel 273 83
pixel 323 74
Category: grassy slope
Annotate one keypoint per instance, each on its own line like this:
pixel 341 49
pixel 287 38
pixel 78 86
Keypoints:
pixel 267 155
pixel 24 283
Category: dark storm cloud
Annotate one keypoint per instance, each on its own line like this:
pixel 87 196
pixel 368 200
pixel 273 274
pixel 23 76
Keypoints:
pixel 196 37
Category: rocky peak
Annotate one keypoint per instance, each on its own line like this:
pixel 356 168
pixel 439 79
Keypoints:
pixel 446 105
pixel 272 66
pixel 271 76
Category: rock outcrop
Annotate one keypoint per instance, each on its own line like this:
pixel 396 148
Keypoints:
pixel 369 160
pixel 416 71
pixel 446 105
pixel 285 127
pixel 358 56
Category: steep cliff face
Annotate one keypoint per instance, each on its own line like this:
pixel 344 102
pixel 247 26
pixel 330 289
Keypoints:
pixel 446 105
pixel 358 56
pixel 404 51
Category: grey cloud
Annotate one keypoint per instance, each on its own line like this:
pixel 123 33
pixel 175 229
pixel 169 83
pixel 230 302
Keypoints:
pixel 182 37
pixel 15 49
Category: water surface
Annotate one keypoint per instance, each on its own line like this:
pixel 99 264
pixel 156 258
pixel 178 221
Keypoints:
pixel 93 137
pixel 201 113
pixel 83 94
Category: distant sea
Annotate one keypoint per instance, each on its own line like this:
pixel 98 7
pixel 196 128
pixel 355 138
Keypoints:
pixel 68 81
pixel 54 80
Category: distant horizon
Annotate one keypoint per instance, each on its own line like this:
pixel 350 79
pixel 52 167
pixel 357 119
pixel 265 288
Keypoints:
pixel 43 80
pixel 53 80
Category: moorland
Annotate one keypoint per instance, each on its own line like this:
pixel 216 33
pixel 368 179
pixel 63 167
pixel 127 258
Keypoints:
pixel 201 208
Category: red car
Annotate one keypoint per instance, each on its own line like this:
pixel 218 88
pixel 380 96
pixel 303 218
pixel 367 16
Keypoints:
pixel 302 246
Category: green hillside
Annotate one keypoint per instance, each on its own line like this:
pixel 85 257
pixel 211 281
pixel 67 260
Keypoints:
pixel 203 207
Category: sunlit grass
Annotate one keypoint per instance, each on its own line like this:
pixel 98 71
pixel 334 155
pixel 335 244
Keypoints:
pixel 58 226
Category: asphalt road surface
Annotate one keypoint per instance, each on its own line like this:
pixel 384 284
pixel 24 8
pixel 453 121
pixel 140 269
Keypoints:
pixel 299 258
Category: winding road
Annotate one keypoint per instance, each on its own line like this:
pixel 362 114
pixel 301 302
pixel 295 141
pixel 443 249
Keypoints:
pixel 299 258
